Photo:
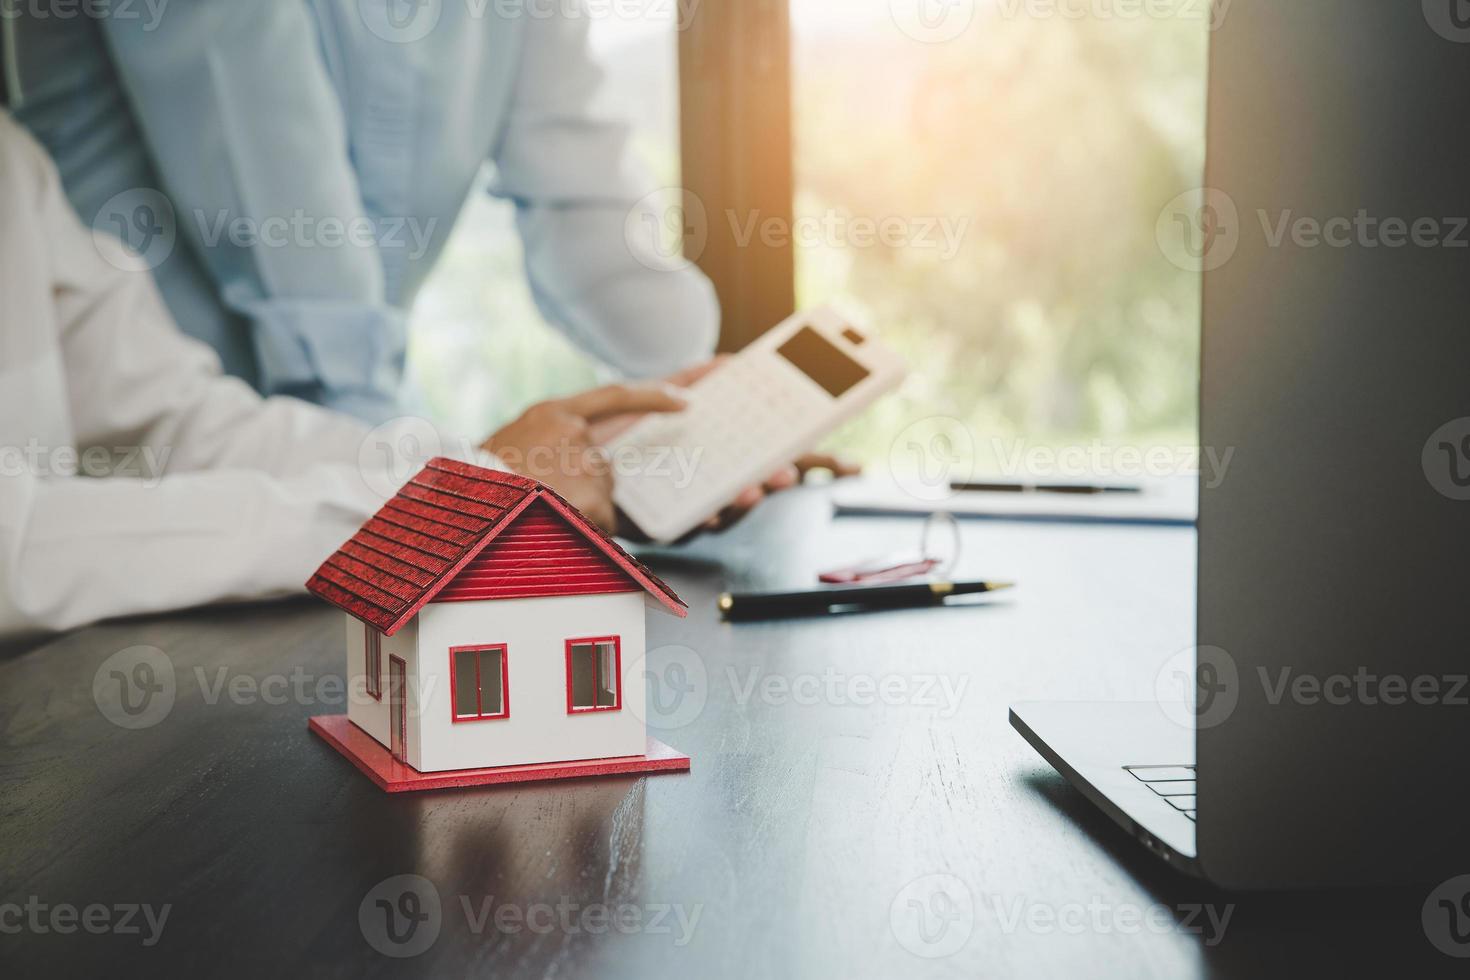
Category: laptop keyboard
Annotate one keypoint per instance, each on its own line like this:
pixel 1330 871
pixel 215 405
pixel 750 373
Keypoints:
pixel 1175 784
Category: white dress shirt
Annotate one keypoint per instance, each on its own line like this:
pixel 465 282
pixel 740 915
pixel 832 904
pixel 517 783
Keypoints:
pixel 213 493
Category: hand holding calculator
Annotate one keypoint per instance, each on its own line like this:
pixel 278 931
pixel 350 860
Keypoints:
pixel 758 411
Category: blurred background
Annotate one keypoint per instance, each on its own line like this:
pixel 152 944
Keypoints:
pixel 1021 164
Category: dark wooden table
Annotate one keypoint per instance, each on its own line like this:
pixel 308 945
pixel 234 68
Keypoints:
pixel 858 804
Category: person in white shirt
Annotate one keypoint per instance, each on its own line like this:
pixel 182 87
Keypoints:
pixel 135 477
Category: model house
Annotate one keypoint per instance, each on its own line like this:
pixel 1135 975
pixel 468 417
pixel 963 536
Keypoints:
pixel 490 624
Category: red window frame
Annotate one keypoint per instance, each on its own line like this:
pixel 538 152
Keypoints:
pixel 617 642
pixel 455 716
pixel 372 661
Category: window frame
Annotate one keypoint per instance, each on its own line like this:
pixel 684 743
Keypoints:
pixel 733 106
pixel 372 661
pixel 454 716
pixel 617 642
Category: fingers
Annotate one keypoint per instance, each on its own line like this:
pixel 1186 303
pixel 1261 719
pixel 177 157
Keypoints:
pixel 783 479
pixel 626 528
pixel 746 499
pixel 745 502
pixel 688 376
pixel 622 400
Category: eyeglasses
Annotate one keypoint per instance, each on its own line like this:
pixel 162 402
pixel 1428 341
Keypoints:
pixel 939 552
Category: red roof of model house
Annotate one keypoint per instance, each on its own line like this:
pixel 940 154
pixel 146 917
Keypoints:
pixel 458 532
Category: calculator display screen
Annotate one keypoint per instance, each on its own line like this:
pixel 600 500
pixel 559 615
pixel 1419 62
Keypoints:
pixel 822 361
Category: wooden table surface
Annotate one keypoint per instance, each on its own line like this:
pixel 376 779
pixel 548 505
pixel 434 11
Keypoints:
pixel 858 804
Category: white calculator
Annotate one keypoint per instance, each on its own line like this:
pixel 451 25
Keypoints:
pixel 762 408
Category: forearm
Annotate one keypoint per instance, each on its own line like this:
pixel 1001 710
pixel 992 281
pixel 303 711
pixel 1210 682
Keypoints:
pixel 582 209
pixel 643 317
pixel 76 550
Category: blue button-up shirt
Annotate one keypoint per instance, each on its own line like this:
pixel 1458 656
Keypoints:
pixel 315 154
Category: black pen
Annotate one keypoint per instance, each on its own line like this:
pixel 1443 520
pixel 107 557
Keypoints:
pixel 758 605
pixel 1077 488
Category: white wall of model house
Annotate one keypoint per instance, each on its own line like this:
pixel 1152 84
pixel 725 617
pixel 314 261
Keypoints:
pixel 539 728
pixel 364 711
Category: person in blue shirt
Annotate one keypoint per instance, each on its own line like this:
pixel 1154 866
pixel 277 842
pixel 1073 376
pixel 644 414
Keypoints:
pixel 296 166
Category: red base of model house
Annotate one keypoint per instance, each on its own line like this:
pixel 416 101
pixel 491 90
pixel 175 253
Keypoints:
pixel 392 776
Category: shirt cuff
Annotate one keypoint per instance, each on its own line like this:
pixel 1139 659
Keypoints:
pixel 343 355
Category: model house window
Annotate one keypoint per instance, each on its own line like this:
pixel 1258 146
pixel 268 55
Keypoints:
pixel 373 661
pixel 479 682
pixel 594 674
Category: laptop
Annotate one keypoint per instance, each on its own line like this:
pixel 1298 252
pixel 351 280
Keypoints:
pixel 1321 733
